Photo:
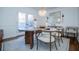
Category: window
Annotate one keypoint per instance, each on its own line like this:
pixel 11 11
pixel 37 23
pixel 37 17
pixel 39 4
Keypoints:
pixel 24 21
pixel 29 23
pixel 21 21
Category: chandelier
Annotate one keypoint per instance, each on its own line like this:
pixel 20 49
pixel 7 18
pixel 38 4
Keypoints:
pixel 42 11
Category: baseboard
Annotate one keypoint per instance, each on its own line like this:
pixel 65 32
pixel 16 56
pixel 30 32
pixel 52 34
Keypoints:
pixel 12 38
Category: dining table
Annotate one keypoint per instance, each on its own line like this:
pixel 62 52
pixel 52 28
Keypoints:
pixel 29 34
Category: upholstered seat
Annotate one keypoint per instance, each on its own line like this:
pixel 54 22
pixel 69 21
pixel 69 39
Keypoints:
pixel 71 31
pixel 46 38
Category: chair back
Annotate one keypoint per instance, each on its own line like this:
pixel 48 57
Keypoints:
pixel 71 31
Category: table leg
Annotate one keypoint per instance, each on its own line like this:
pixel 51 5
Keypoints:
pixel 50 41
pixel 29 38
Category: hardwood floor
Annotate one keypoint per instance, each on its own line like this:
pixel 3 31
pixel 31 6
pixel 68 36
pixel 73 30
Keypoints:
pixel 18 44
pixel 74 45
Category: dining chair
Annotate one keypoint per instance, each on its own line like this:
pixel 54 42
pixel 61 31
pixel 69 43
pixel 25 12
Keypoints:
pixel 58 34
pixel 71 32
pixel 47 38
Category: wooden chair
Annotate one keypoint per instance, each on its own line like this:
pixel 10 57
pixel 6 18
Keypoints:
pixel 1 37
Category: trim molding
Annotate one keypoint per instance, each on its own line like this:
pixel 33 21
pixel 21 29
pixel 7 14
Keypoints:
pixel 12 38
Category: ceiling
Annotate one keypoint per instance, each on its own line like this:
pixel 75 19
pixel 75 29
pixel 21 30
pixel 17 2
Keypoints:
pixel 47 8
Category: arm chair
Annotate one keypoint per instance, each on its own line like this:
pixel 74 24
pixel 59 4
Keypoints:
pixel 47 38
pixel 58 34
pixel 71 32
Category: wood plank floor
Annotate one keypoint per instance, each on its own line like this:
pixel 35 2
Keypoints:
pixel 74 45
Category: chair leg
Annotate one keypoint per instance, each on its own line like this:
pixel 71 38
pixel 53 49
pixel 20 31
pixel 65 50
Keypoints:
pixel 55 45
pixel 37 44
pixel 61 39
pixel 50 46
pixel 59 42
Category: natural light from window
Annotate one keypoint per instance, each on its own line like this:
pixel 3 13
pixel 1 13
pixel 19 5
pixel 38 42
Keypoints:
pixel 21 21
pixel 24 21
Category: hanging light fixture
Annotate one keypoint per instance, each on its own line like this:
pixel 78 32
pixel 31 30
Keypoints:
pixel 42 11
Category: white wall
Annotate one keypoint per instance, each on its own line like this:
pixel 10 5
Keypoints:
pixel 0 18
pixel 78 17
pixel 70 15
pixel 10 20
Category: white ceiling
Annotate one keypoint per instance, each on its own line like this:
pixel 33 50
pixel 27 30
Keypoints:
pixel 47 8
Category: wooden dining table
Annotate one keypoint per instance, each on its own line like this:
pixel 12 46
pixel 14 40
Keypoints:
pixel 29 35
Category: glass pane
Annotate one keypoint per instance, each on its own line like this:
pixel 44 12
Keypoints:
pixel 21 21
